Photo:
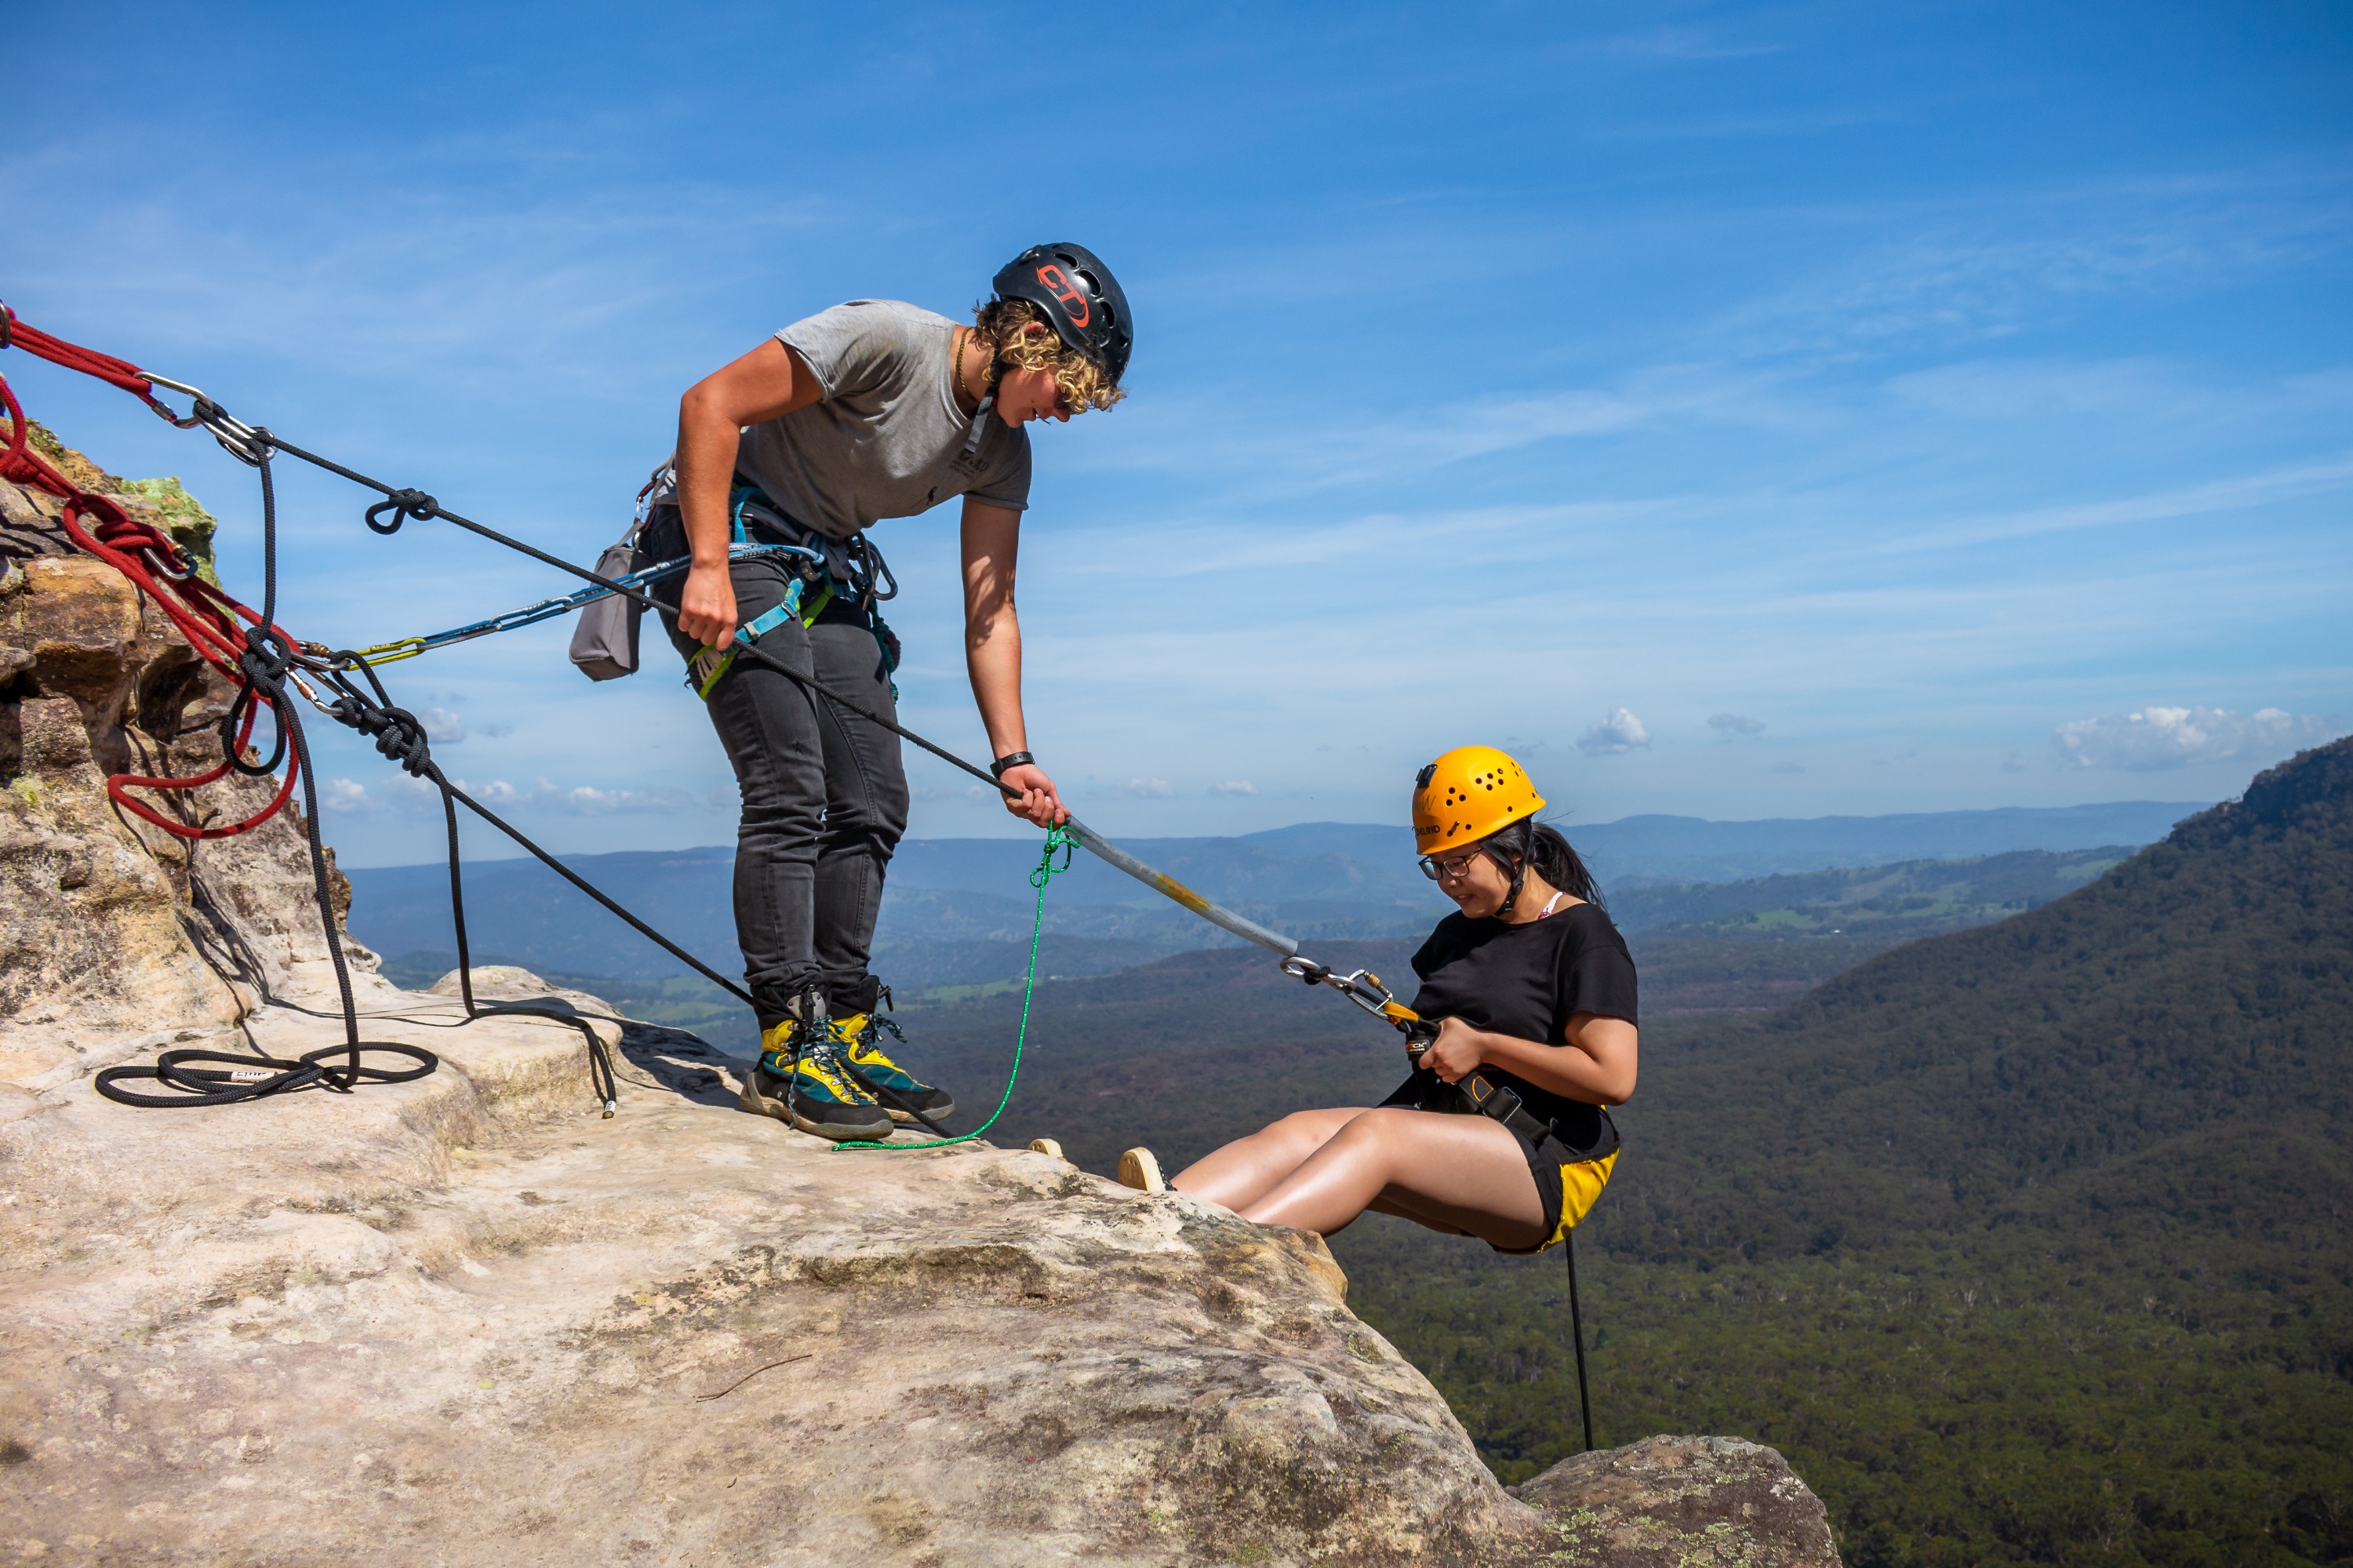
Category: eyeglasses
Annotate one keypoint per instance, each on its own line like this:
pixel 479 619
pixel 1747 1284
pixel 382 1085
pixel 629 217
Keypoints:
pixel 1453 868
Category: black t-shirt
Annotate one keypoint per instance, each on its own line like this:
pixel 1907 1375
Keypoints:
pixel 1526 981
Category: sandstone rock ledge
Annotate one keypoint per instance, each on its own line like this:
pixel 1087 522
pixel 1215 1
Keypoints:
pixel 467 1321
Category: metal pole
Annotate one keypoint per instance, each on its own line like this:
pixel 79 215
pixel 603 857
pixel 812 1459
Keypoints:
pixel 1577 1330
pixel 1168 886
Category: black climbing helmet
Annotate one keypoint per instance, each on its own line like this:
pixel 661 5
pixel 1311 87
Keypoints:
pixel 1079 295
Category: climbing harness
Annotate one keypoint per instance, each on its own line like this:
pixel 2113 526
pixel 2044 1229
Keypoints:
pixel 852 570
pixel 1057 839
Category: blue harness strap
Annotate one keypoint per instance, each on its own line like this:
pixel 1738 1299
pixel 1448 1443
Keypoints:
pixel 761 625
pixel 830 568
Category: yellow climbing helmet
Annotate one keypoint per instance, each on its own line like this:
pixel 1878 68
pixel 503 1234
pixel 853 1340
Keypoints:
pixel 1468 794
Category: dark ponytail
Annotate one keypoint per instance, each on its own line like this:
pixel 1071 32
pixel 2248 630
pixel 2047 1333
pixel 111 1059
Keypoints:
pixel 1548 854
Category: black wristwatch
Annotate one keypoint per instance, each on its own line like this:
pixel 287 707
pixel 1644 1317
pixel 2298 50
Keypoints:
pixel 1010 759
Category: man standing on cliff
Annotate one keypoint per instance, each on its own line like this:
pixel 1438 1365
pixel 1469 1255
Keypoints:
pixel 871 409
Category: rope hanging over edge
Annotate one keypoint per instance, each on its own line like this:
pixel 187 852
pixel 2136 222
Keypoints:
pixel 1056 839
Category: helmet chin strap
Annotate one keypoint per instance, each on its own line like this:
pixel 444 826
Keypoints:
pixel 1519 871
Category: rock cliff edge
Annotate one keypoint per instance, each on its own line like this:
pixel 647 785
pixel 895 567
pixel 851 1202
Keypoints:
pixel 469 1320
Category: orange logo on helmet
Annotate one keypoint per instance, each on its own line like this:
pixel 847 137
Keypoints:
pixel 1058 283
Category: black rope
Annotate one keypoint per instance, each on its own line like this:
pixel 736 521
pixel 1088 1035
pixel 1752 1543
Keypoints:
pixel 400 737
pixel 1577 1331
pixel 250 1077
pixel 268 661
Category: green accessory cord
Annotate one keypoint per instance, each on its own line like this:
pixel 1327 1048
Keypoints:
pixel 1056 839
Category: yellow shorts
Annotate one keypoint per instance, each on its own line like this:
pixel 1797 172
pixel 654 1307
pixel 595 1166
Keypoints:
pixel 1569 1189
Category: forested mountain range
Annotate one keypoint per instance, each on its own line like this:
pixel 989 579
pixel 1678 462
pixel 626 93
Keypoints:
pixel 1702 947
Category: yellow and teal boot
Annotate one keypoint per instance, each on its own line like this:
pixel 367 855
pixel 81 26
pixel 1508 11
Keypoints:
pixel 799 1080
pixel 859 1037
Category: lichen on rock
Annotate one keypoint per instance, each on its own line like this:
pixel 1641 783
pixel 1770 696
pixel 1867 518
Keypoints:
pixel 28 517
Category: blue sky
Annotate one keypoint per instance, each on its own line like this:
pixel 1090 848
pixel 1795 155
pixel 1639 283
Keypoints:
pixel 1739 410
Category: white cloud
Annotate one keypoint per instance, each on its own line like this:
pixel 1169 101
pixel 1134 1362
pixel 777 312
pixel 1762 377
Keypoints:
pixel 442 727
pixel 1149 789
pixel 402 791
pixel 2158 737
pixel 1735 724
pixel 1622 731
pixel 1234 787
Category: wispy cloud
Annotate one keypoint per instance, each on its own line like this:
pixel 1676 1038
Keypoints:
pixel 2234 493
pixel 1976 268
pixel 2159 737
pixel 399 793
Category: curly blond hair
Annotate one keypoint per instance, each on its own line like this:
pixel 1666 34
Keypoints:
pixel 1004 326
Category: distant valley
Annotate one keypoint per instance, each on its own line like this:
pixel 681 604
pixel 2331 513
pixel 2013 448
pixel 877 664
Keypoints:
pixel 959 911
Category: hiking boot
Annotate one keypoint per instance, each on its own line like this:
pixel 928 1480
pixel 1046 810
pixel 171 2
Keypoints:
pixel 858 1038
pixel 1140 1169
pixel 808 1090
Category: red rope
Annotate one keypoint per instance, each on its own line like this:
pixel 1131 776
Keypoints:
pixel 122 372
pixel 206 617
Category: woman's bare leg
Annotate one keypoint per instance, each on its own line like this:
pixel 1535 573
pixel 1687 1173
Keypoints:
pixel 1463 1173
pixel 1247 1168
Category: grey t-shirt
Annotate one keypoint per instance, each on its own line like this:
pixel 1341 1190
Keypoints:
pixel 888 439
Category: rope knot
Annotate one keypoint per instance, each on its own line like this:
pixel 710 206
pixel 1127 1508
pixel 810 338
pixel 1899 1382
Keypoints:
pixel 268 659
pixel 403 740
pixel 1057 838
pixel 400 734
pixel 403 504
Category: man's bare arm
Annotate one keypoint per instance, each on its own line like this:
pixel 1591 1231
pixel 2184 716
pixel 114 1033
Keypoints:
pixel 770 381
pixel 992 652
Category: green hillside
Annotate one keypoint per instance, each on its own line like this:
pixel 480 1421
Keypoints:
pixel 1909 898
pixel 2028 1244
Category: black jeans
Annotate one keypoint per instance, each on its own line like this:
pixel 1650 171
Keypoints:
pixel 824 791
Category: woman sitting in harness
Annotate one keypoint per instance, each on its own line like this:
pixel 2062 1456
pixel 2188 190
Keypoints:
pixel 1501 1131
